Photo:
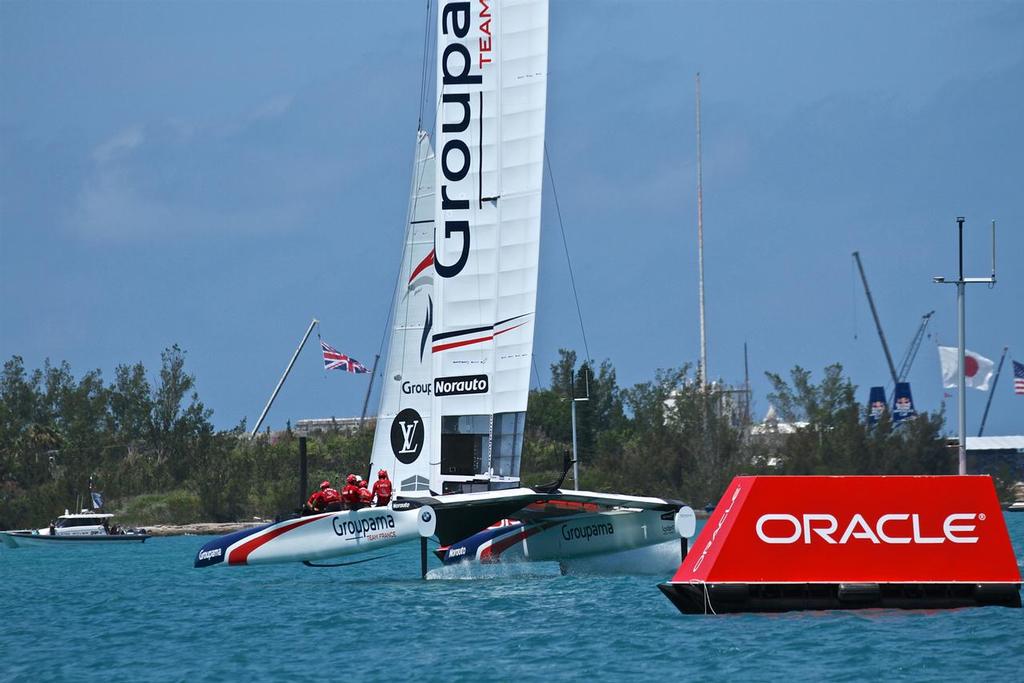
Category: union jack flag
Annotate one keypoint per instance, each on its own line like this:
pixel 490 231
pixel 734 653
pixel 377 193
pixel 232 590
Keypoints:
pixel 335 360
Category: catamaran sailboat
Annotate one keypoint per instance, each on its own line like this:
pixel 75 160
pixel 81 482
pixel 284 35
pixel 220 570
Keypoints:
pixel 453 405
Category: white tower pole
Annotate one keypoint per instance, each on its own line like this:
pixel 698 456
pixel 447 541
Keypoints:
pixel 702 370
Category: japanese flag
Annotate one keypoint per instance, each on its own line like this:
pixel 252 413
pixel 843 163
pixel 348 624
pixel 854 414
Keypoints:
pixel 977 368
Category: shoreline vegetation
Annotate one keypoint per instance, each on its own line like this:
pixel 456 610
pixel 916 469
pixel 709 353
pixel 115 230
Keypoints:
pixel 148 442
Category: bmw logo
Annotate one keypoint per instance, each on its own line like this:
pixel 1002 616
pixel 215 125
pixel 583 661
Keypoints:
pixel 425 516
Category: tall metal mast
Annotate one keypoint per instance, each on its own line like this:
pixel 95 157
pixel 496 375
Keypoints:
pixel 702 370
pixel 961 282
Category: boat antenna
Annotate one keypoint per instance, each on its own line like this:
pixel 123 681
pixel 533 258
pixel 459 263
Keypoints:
pixel 702 369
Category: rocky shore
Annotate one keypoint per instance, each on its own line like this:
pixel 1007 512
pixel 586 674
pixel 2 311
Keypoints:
pixel 201 528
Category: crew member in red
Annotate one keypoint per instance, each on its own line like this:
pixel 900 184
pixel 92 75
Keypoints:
pixel 382 489
pixel 331 499
pixel 350 494
pixel 316 499
pixel 365 497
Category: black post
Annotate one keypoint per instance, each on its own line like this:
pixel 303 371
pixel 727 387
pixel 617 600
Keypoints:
pixel 423 557
pixel 684 547
pixel 303 474
pixel 960 231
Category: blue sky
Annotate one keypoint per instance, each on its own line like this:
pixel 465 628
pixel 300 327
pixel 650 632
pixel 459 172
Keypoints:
pixel 217 174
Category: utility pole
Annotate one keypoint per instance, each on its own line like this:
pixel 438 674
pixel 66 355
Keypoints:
pixel 961 282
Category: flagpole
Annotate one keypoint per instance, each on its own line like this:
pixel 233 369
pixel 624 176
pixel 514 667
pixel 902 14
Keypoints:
pixel 961 282
pixel 280 382
pixel 366 401
pixel 992 391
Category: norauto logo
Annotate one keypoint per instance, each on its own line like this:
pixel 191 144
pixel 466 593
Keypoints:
pixel 895 529
pixel 457 386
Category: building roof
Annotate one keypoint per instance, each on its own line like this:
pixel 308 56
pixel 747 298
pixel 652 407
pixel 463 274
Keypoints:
pixel 995 443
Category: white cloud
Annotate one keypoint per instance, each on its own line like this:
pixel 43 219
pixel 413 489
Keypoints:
pixel 119 145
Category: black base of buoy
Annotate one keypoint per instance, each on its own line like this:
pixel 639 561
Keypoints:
pixel 423 557
pixel 724 598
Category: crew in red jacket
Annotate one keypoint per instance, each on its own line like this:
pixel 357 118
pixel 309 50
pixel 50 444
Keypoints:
pixel 350 494
pixel 316 501
pixel 382 489
pixel 365 497
pixel 331 499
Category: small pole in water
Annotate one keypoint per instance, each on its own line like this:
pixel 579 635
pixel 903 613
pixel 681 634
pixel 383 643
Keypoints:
pixel 303 474
pixel 423 557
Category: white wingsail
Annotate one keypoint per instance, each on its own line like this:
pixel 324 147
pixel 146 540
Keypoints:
pixel 399 444
pixel 491 88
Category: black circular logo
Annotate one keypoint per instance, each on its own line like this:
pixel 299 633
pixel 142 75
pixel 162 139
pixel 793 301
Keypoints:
pixel 425 516
pixel 407 436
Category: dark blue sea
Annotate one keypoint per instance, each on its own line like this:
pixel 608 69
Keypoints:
pixel 143 613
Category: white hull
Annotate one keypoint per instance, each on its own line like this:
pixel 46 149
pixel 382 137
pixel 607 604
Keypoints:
pixel 566 538
pixel 319 537
pixel 18 540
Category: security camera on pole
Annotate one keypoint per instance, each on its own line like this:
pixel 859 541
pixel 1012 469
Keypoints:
pixel 960 282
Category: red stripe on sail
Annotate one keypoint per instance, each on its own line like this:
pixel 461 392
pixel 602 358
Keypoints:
pixel 456 344
pixel 424 264
pixel 508 329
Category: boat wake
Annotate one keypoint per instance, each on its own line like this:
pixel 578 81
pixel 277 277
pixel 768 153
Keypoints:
pixel 661 559
pixel 472 571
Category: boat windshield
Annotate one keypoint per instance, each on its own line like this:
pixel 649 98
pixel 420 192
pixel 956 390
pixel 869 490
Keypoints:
pixel 66 522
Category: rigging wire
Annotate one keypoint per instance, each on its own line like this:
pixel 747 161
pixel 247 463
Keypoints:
pixel 568 259
pixel 423 69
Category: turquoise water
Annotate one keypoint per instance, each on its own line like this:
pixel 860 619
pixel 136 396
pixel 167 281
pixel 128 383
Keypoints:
pixel 143 613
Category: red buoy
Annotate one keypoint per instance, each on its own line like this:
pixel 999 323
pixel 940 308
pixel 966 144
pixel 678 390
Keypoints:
pixel 847 542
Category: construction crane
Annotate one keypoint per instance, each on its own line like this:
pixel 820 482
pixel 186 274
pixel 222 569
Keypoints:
pixel 874 313
pixel 915 344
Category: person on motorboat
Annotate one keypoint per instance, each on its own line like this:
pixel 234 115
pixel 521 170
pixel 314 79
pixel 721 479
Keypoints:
pixel 365 497
pixel 382 489
pixel 350 494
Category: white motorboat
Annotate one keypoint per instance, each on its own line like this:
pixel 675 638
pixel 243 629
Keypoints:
pixel 77 528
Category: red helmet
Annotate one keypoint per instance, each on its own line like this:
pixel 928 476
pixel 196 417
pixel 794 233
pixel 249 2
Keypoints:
pixel 383 474
pixel 324 484
pixel 362 482
pixel 351 479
